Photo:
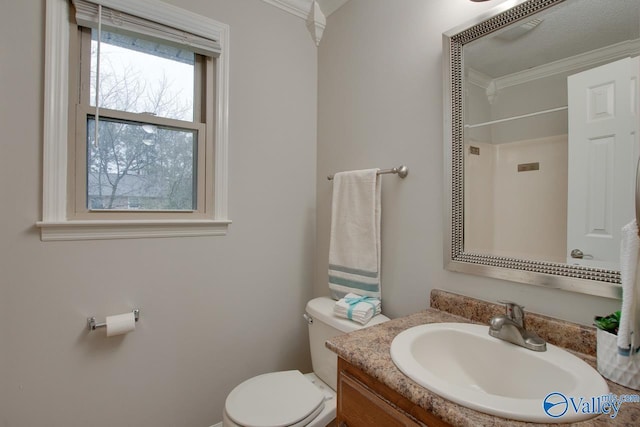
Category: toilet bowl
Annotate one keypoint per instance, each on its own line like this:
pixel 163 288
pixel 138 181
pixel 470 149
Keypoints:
pixel 289 398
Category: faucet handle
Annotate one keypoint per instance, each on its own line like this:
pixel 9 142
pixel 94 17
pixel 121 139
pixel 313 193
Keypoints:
pixel 514 311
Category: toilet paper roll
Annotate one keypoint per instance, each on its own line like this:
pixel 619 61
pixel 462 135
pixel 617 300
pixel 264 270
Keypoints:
pixel 120 324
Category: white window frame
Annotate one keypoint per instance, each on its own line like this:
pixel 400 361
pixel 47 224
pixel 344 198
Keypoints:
pixel 56 223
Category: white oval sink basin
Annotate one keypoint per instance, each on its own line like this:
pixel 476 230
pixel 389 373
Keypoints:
pixel 462 363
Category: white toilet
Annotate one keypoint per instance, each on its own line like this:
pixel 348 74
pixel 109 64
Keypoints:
pixel 289 398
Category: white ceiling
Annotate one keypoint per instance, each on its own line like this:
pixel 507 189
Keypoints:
pixel 567 30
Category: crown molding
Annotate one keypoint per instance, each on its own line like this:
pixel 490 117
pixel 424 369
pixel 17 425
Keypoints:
pixel 577 62
pixel 567 65
pixel 316 22
pixel 477 78
pixel 314 12
pixel 330 6
pixel 299 8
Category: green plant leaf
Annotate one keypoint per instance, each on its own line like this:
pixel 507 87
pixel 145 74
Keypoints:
pixel 608 323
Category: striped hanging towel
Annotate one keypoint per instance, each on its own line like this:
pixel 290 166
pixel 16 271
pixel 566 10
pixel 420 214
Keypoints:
pixel 354 248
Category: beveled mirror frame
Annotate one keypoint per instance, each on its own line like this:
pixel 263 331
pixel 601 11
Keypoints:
pixel 586 280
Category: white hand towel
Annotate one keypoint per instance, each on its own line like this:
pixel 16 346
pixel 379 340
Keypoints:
pixel 629 329
pixel 354 247
pixel 358 308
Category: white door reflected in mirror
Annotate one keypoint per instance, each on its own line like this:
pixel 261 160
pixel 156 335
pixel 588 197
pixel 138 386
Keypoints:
pixel 603 152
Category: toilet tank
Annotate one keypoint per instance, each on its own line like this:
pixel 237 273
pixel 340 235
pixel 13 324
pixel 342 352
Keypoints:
pixel 325 326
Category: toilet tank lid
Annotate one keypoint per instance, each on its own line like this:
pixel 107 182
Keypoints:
pixel 322 309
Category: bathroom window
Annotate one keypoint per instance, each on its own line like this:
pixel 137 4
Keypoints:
pixel 149 152
pixel 146 101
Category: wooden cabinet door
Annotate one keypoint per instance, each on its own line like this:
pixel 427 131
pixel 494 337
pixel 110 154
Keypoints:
pixel 359 407
pixel 365 402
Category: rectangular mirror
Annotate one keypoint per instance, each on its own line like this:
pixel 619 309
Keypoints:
pixel 541 141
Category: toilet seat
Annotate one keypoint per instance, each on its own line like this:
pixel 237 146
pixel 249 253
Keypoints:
pixel 277 399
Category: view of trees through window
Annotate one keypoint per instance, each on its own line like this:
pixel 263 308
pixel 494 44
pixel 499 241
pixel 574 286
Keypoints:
pixel 138 164
pixel 131 168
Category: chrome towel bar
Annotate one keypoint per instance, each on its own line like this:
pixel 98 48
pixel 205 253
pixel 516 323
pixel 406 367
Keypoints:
pixel 401 170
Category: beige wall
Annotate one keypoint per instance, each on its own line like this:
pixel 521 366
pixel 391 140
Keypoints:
pixel 215 311
pixel 380 105
pixel 531 207
pixel 537 95
pixel 479 198
pixel 512 213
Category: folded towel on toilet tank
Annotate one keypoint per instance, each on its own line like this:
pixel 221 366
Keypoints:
pixel 357 308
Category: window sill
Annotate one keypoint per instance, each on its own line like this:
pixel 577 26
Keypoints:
pixel 101 230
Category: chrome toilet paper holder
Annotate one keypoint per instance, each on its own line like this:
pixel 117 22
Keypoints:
pixel 92 325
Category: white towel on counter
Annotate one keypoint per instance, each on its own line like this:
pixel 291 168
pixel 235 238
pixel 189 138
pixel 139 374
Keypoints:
pixel 358 308
pixel 629 329
pixel 354 246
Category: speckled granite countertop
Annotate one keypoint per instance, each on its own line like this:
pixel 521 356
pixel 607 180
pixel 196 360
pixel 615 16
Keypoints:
pixel 368 349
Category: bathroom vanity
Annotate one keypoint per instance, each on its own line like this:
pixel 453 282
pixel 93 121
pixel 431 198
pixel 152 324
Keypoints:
pixel 373 391
pixel 364 401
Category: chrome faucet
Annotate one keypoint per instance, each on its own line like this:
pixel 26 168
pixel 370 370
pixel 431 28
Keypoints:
pixel 510 327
